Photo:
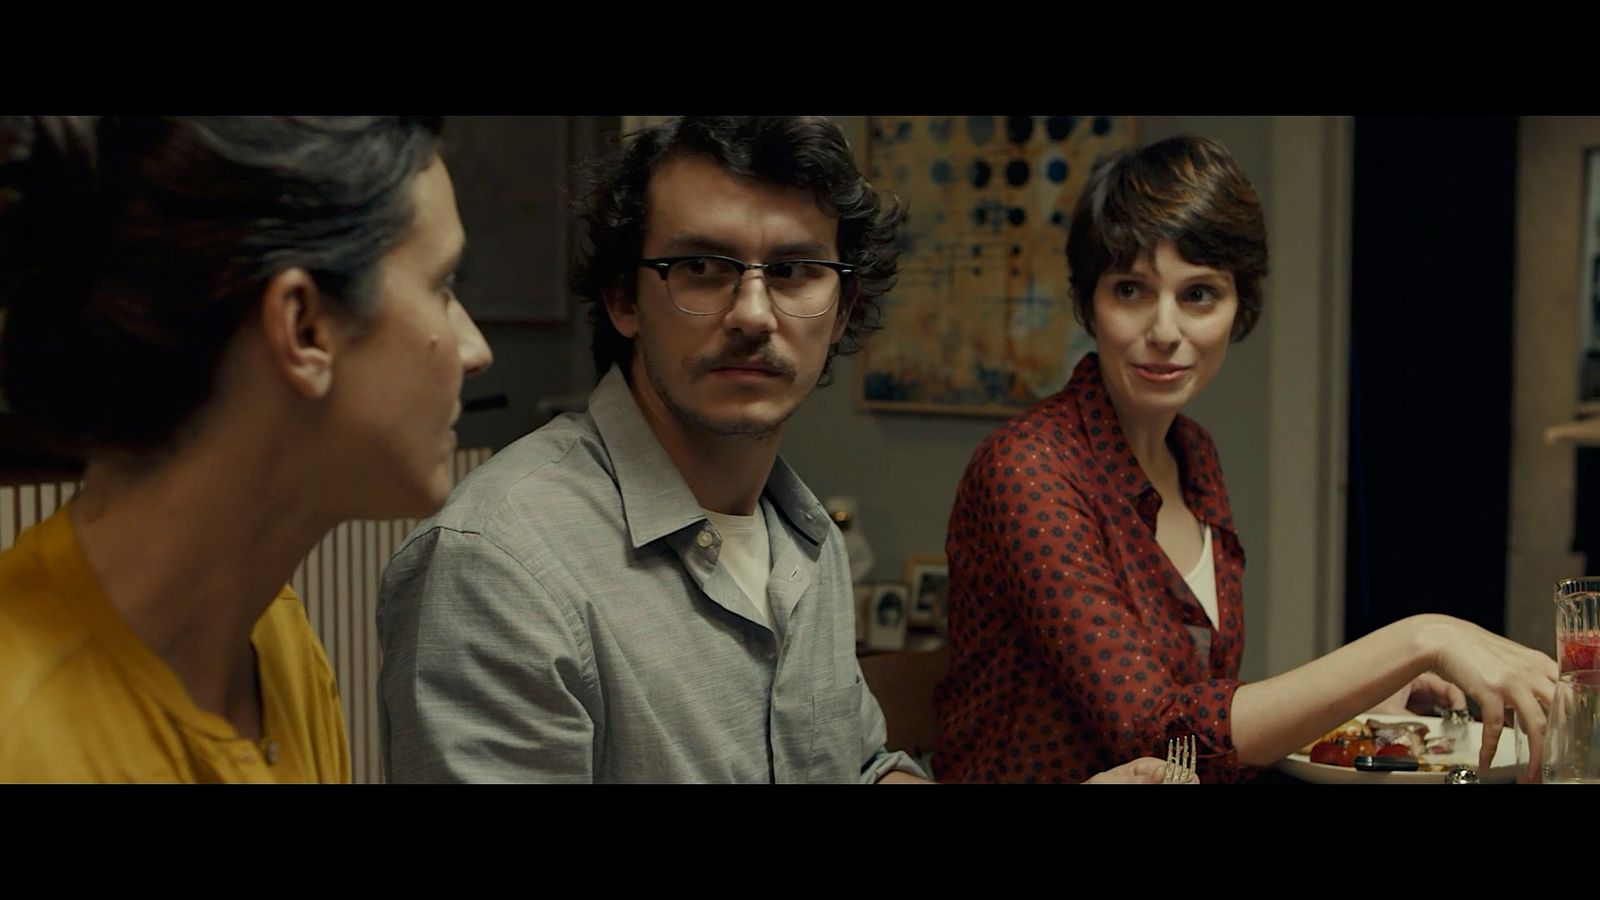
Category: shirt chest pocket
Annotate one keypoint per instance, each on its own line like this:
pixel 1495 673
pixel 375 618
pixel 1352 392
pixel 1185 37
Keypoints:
pixel 836 752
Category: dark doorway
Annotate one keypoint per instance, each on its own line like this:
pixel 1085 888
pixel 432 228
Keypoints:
pixel 1433 252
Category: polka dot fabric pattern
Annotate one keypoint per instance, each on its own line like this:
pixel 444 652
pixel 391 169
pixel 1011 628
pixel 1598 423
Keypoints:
pixel 1075 643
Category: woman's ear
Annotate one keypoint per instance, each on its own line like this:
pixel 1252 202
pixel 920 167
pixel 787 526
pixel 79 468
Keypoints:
pixel 302 331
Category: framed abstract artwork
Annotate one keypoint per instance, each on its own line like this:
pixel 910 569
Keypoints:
pixel 980 322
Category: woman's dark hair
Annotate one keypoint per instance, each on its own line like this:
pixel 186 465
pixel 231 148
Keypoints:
pixel 132 248
pixel 1187 190
pixel 795 151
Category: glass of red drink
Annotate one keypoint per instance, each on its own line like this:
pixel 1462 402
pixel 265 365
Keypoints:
pixel 1578 623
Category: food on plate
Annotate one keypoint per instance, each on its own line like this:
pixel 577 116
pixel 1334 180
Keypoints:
pixel 1342 745
pixel 1350 730
pixel 1439 745
pixel 1411 735
pixel 1389 732
pixel 1362 747
pixel 1332 753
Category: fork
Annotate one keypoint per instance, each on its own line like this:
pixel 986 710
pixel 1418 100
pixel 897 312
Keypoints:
pixel 1180 761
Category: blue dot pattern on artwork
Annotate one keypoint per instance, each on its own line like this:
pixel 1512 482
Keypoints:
pixel 939 128
pixel 1058 127
pixel 1019 129
pixel 995 384
pixel 988 215
pixel 902 131
pixel 883 386
pixel 940 171
pixel 980 129
pixel 1017 172
pixel 1016 216
pixel 980 173
pixel 1102 125
pixel 1057 170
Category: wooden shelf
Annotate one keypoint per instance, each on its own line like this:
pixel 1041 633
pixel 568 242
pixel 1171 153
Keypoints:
pixel 1582 432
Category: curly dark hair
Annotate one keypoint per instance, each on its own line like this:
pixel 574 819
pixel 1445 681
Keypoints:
pixel 132 248
pixel 1185 189
pixel 795 151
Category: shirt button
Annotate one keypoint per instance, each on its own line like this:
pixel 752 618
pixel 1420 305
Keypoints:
pixel 703 539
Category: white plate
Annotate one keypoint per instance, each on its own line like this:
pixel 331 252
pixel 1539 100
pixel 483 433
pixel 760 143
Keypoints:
pixel 1503 769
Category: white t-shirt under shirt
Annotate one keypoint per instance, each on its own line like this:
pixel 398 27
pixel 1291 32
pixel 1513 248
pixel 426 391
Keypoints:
pixel 1202 579
pixel 748 555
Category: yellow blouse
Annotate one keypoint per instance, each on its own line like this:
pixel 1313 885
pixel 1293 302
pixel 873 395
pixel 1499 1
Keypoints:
pixel 83 699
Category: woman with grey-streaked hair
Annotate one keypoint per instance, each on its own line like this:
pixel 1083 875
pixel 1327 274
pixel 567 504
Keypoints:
pixel 247 329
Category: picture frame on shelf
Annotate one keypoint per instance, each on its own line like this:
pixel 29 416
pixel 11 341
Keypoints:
pixel 886 628
pixel 929 579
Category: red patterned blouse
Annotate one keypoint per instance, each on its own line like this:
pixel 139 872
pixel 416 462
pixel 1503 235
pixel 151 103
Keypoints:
pixel 1075 643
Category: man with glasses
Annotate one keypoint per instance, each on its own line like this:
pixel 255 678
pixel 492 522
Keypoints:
pixel 646 591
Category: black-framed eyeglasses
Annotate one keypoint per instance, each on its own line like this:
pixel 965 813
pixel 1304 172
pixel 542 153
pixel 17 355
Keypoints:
pixel 707 285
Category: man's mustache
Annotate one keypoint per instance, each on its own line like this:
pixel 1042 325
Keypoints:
pixel 762 356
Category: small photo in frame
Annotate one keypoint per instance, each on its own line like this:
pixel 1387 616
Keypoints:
pixel 886 630
pixel 864 594
pixel 929 580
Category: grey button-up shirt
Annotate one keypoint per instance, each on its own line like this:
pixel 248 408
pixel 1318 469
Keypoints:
pixel 565 618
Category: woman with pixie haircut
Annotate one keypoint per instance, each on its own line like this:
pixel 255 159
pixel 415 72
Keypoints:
pixel 1095 573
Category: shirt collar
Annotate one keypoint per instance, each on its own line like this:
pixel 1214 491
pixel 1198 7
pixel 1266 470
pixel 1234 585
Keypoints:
pixel 656 501
pixel 1199 472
